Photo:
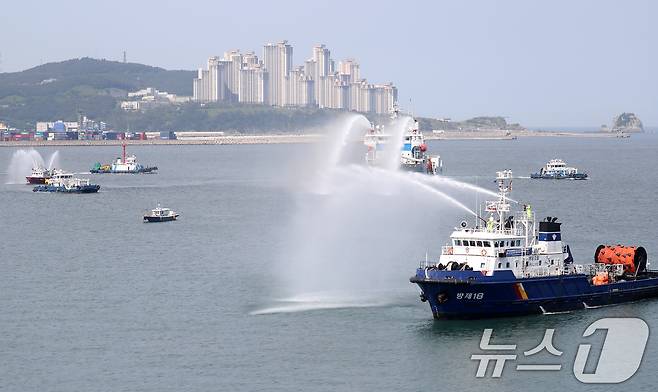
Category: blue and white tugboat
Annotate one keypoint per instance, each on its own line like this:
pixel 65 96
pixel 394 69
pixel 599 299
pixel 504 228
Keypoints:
pixel 514 265
pixel 556 169
pixel 413 155
pixel 160 214
pixel 63 182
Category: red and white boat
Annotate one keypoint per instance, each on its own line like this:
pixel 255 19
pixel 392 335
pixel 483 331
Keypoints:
pixel 39 175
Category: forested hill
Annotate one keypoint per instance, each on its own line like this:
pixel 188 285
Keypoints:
pixel 60 90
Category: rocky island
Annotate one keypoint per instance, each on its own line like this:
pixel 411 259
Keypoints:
pixel 624 123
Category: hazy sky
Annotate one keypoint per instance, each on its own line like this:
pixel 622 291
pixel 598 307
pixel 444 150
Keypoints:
pixel 550 63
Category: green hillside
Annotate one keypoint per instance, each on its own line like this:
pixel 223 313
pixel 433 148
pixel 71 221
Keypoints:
pixel 59 90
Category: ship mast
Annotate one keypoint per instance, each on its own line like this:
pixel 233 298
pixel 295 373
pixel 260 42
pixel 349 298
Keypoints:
pixel 501 206
pixel 123 154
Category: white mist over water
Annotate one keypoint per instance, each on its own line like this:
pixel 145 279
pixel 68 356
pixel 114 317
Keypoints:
pixel 355 238
pixel 344 129
pixel 23 161
pixel 395 130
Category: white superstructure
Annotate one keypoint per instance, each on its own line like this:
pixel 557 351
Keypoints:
pixel 413 155
pixel 505 242
pixel 66 180
pixel 557 167
pixel 127 164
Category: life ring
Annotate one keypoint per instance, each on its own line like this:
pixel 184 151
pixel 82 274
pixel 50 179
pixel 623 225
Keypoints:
pixel 466 249
pixel 484 252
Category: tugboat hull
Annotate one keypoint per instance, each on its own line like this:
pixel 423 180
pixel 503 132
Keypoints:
pixel 155 219
pixel 139 170
pixel 470 294
pixel 413 167
pixel 36 180
pixel 79 189
pixel 577 176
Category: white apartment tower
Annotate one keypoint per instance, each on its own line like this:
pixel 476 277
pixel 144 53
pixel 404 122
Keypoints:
pixel 299 88
pixel 201 86
pixel 233 61
pixel 274 81
pixel 253 84
pixel 277 59
pixel 321 63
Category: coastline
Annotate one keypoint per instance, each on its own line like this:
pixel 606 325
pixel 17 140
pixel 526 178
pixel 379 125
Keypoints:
pixel 300 138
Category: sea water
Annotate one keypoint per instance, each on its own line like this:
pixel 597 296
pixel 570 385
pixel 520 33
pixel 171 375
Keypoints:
pixel 91 298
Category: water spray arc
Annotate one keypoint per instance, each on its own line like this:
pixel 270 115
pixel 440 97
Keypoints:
pixel 358 221
pixel 23 161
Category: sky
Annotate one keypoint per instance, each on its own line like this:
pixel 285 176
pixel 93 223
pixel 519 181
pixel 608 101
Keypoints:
pixel 554 63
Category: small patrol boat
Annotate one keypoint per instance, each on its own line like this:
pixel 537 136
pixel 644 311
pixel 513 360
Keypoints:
pixel 516 265
pixel 123 165
pixel 556 169
pixel 63 182
pixel 39 175
pixel 160 214
pixel 413 155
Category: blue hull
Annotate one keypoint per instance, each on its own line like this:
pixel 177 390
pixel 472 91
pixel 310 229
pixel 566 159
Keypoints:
pixel 579 176
pixel 470 294
pixel 144 170
pixel 61 189
pixel 156 219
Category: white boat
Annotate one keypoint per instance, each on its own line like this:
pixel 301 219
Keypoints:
pixel 413 155
pixel 64 182
pixel 160 214
pixel 39 175
pixel 556 169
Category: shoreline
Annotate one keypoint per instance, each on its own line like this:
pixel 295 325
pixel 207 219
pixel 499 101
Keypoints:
pixel 299 138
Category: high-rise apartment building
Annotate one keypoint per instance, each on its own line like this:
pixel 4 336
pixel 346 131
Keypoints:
pixel 253 84
pixel 274 81
pixel 277 59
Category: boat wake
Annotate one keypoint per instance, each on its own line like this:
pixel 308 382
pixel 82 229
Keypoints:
pixel 544 312
pixel 313 302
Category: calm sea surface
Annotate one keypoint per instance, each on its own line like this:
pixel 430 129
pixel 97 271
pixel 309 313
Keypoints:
pixel 92 299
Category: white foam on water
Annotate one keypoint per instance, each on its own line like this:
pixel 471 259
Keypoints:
pixel 326 300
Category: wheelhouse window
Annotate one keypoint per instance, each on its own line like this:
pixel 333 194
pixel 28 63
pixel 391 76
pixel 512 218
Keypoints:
pixel 472 243
pixel 479 243
pixel 458 242
pixel 487 244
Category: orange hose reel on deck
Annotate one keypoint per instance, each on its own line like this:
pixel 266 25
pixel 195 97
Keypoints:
pixel 634 258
